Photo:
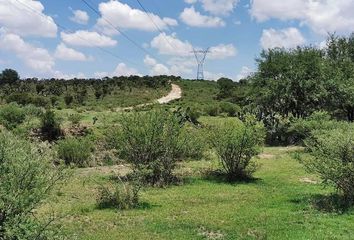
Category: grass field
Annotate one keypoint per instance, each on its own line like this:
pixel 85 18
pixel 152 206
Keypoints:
pixel 277 205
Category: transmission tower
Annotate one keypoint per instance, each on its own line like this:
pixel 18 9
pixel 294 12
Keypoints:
pixel 200 56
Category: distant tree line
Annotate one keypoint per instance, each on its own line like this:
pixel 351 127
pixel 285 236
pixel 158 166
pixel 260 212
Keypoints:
pixel 42 92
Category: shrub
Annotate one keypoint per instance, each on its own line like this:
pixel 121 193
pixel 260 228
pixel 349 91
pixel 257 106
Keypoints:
pixel 118 195
pixel 212 110
pixel 50 126
pixel 27 176
pixel 74 118
pixel 68 99
pixel 236 143
pixel 11 116
pixel 151 142
pixel 230 109
pixel 332 158
pixel 75 151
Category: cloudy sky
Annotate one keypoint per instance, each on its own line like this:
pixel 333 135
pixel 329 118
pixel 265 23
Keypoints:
pixel 67 38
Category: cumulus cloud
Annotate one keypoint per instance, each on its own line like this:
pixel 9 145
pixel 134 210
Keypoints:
pixel 121 70
pixel 155 67
pixel 321 16
pixel 36 58
pixel 195 19
pixel 123 16
pixel 284 38
pixel 217 7
pixel 80 17
pixel 20 17
pixel 87 39
pixel 222 51
pixel 69 54
pixel 245 72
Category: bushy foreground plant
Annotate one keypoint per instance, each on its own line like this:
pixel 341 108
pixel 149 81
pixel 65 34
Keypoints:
pixel 75 151
pixel 332 158
pixel 11 116
pixel 236 143
pixel 27 176
pixel 152 143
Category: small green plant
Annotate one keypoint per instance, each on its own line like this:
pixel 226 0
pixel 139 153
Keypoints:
pixel 75 151
pixel 120 195
pixel 236 143
pixel 11 116
pixel 332 158
pixel 75 118
pixel 27 176
pixel 50 126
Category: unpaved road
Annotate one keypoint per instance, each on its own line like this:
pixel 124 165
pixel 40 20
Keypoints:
pixel 174 94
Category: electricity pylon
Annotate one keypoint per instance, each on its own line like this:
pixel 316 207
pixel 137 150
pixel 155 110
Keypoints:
pixel 200 56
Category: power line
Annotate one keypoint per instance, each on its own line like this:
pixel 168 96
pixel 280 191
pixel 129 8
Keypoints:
pixel 156 26
pixel 67 30
pixel 119 30
pixel 200 62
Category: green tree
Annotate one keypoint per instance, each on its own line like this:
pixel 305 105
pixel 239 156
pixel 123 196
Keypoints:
pixel 9 76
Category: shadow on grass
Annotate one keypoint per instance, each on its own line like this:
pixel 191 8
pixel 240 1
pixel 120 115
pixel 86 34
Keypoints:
pixel 140 206
pixel 220 177
pixel 333 203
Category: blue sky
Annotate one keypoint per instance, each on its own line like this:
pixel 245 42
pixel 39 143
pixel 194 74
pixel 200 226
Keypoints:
pixel 33 42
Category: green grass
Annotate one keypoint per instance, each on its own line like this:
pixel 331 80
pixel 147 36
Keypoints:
pixel 278 205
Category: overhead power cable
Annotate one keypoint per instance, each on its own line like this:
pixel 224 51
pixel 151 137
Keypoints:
pixel 67 30
pixel 119 30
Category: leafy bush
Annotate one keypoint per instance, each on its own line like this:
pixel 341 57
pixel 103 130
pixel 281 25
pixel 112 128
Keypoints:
pixel 118 195
pixel 75 151
pixel 68 99
pixel 27 176
pixel 11 116
pixel 332 159
pixel 74 118
pixel 230 109
pixel 151 142
pixel 50 126
pixel 212 110
pixel 236 143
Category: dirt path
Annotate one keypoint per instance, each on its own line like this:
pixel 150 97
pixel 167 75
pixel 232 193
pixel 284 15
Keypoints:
pixel 174 94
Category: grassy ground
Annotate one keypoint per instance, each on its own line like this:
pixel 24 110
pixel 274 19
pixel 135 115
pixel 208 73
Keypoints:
pixel 278 205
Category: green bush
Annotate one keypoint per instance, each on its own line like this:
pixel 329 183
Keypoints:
pixel 151 142
pixel 75 151
pixel 120 195
pixel 75 118
pixel 50 126
pixel 212 110
pixel 230 109
pixel 332 158
pixel 236 143
pixel 11 116
pixel 27 176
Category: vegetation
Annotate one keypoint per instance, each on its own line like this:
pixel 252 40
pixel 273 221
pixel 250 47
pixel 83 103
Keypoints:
pixel 235 144
pixel 121 141
pixel 27 177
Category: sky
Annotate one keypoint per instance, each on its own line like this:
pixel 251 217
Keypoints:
pixel 68 38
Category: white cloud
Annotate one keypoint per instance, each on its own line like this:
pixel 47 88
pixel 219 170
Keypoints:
pixel 20 17
pixel 321 16
pixel 216 7
pixel 121 70
pixel 65 53
pixel 80 17
pixel 284 38
pixel 195 19
pixel 222 51
pixel 171 45
pixel 213 76
pixel 60 75
pixel 156 68
pixel 123 16
pixel 87 39
pixel 36 58
pixel 245 72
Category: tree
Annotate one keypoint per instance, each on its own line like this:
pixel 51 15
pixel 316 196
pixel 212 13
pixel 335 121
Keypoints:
pixel 226 87
pixel 9 76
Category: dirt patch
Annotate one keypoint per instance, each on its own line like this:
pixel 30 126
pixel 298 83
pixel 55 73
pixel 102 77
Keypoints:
pixel 208 234
pixel 106 170
pixel 266 156
pixel 308 180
